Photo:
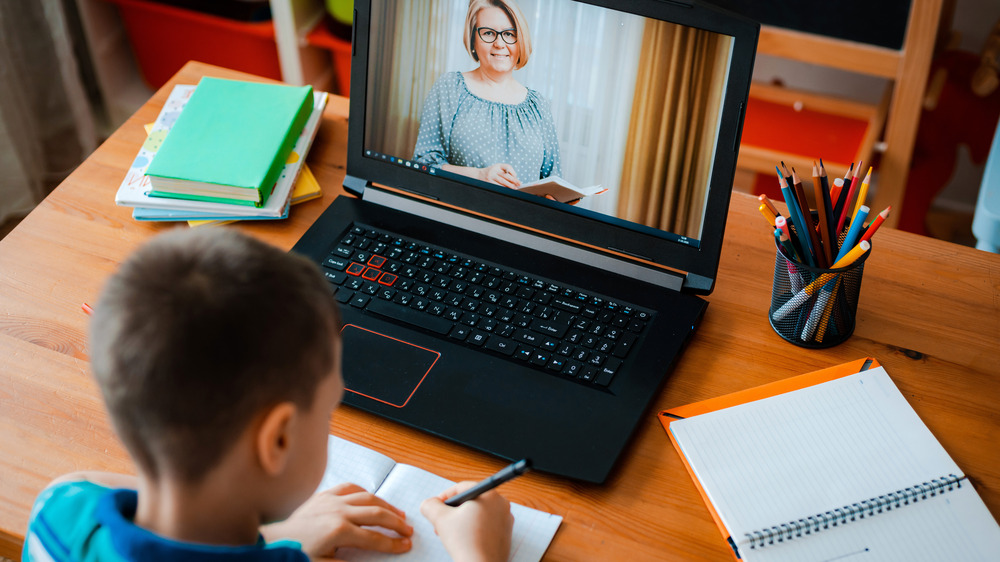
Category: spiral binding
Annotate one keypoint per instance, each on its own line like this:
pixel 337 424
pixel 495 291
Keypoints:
pixel 846 514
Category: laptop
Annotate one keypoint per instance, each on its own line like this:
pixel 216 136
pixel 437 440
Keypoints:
pixel 538 319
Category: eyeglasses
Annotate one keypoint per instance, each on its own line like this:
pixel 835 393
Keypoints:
pixel 489 35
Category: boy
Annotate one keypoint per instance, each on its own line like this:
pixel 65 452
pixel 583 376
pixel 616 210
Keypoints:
pixel 218 358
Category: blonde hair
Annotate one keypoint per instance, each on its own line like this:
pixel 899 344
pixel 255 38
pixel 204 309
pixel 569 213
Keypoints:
pixel 516 17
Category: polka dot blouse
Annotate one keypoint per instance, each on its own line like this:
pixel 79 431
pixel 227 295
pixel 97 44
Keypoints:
pixel 459 128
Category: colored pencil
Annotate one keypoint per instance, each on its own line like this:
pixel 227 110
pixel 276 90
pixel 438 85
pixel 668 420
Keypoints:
pixel 847 202
pixel 781 223
pixel 862 193
pixel 768 215
pixel 763 198
pixel 822 209
pixel 838 184
pixel 800 196
pixel 797 222
pixel 842 196
pixel 876 223
pixel 854 233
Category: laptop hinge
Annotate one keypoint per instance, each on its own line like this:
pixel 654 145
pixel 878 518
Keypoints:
pixel 354 185
pixel 661 278
pixel 697 283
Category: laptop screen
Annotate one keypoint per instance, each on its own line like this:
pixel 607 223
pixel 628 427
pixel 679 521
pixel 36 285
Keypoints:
pixel 611 126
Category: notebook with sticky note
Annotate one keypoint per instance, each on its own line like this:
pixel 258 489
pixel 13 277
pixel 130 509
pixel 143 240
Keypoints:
pixel 830 465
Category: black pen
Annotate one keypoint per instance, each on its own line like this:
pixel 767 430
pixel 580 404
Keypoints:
pixel 507 473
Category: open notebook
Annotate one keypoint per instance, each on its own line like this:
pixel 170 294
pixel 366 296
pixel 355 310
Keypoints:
pixel 841 470
pixel 405 487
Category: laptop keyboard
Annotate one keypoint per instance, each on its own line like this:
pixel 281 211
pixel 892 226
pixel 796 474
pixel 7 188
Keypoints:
pixel 554 327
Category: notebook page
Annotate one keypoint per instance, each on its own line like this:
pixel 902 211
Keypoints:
pixel 350 462
pixel 407 487
pixel 802 453
pixel 955 525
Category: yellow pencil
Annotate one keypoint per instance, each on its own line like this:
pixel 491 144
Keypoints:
pixel 862 193
pixel 764 210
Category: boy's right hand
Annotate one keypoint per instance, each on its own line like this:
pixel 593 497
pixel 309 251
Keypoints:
pixel 342 516
pixel 478 530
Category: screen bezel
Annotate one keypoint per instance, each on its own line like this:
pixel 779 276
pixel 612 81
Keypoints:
pixel 700 262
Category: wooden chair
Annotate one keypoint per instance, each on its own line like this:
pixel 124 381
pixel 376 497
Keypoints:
pixel 889 127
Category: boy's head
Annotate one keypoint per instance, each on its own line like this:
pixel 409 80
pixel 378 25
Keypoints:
pixel 197 334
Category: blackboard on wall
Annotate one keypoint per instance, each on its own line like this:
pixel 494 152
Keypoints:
pixel 875 22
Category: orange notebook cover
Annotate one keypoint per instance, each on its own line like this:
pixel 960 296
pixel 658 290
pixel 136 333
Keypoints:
pixel 750 395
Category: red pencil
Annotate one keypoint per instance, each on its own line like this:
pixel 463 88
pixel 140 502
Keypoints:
pixel 875 224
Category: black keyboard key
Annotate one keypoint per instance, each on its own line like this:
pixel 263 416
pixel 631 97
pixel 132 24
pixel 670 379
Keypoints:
pixel 608 371
pixel 572 368
pixel 596 359
pixel 335 277
pixel 336 263
pixel 343 296
pixel 523 353
pixel 410 316
pixel 567 304
pixel 501 345
pixel 478 338
pixel 540 358
pixel 460 332
pixel 624 345
pixel 359 301
pixel 530 338
pixel 636 326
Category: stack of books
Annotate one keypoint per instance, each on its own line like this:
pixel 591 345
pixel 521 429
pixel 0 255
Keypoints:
pixel 225 150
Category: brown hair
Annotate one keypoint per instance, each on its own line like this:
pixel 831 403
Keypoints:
pixel 198 332
pixel 516 17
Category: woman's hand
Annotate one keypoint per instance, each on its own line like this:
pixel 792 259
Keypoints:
pixel 478 530
pixel 337 518
pixel 502 174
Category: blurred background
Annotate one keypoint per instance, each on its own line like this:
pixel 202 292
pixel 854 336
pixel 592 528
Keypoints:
pixel 72 71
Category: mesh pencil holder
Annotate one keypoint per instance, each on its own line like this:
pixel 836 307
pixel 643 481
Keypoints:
pixel 814 307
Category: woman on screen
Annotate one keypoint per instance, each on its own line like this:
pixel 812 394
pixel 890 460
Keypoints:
pixel 483 123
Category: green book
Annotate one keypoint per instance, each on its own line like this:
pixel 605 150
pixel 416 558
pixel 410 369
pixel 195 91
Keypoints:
pixel 230 142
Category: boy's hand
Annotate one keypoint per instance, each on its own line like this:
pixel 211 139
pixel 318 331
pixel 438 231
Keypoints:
pixel 336 518
pixel 477 530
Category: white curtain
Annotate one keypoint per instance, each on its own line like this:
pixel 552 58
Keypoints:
pixel 584 61
pixel 46 123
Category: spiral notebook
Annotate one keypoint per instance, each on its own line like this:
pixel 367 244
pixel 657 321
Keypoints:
pixel 830 466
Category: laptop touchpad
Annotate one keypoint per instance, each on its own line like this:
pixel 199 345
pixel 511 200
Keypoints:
pixel 383 368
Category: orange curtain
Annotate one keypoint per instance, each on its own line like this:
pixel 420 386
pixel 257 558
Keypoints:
pixel 673 128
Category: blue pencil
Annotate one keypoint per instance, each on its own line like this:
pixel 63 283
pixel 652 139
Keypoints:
pixel 854 233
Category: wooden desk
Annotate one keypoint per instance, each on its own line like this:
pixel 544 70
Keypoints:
pixel 929 311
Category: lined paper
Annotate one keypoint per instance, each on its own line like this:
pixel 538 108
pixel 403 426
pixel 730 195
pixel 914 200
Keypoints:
pixel 406 487
pixel 802 453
